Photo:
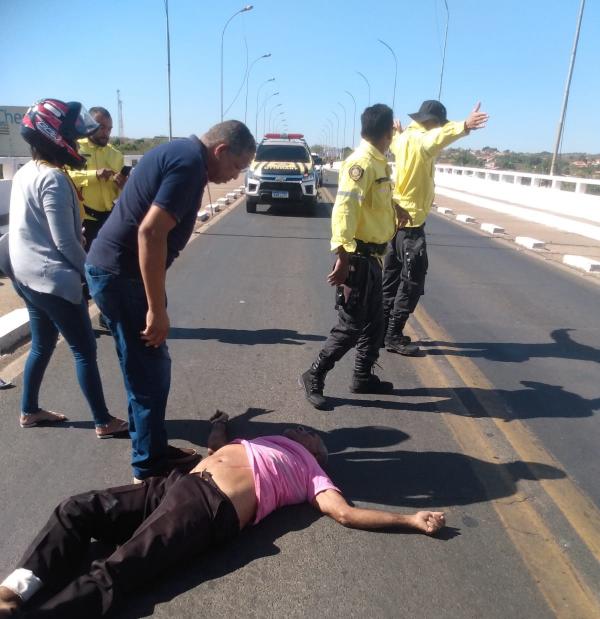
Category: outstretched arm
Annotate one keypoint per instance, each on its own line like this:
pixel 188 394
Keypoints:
pixel 334 505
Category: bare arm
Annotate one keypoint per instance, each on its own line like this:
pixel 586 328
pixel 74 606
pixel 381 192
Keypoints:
pixel 152 248
pixel 334 505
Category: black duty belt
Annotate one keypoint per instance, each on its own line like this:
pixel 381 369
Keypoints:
pixel 370 249
pixel 100 216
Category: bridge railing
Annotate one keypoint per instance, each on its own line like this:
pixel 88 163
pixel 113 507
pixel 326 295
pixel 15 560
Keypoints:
pixel 565 195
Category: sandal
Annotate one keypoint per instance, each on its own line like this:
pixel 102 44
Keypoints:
pixel 113 427
pixel 43 416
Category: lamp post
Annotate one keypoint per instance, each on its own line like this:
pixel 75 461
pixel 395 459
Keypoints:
pixel 248 83
pixel 271 113
pixel 353 116
pixel 169 68
pixel 559 133
pixel 344 134
pixel 337 133
pixel 264 108
pixel 330 130
pixel 368 86
pixel 444 52
pixel 395 69
pixel 248 7
pixel 272 79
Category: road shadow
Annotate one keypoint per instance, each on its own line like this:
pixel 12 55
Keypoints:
pixel 563 346
pixel 321 211
pixel 246 337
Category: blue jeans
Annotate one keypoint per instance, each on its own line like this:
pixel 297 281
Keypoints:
pixel 146 370
pixel 50 315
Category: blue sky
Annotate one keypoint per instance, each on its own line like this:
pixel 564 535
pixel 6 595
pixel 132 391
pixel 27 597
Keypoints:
pixel 513 55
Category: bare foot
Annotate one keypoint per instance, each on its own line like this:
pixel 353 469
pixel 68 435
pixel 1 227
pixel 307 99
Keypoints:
pixel 429 522
pixel 218 432
pixel 10 603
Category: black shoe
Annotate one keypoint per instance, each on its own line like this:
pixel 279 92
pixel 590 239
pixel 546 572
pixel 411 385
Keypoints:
pixel 102 322
pixel 313 388
pixel 370 384
pixel 401 345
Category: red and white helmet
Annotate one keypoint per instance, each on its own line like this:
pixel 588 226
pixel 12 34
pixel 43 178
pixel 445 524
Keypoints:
pixel 54 127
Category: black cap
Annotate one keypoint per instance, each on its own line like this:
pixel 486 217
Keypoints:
pixel 431 110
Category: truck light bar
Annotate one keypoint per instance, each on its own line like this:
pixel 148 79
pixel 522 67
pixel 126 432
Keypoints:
pixel 284 136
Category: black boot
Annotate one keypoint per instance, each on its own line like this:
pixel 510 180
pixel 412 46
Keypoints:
pixel 396 341
pixel 364 381
pixel 313 381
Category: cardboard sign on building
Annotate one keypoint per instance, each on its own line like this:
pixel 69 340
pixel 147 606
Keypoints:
pixel 11 142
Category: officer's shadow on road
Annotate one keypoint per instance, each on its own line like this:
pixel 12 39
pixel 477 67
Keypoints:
pixel 562 346
pixel 536 400
pixel 405 479
pixel 246 337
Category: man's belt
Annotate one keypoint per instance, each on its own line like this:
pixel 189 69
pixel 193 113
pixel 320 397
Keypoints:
pixel 100 216
pixel 370 249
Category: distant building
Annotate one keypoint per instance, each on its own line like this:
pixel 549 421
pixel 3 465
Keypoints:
pixel 11 142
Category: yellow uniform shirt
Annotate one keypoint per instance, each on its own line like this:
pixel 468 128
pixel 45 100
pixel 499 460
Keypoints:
pixel 97 194
pixel 363 205
pixel 415 150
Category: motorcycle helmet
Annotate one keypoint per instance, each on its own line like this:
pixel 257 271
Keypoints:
pixel 53 127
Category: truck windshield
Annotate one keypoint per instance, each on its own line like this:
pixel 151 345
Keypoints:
pixel 278 152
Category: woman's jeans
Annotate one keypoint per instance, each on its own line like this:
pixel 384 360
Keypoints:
pixel 146 370
pixel 50 315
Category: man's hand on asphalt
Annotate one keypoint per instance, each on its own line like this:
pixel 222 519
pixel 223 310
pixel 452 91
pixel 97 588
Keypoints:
pixel 476 119
pixel 339 275
pixel 104 173
pixel 157 328
pixel 402 215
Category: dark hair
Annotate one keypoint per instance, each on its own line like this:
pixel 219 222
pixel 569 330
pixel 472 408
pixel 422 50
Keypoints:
pixel 376 121
pixel 233 133
pixel 47 152
pixel 100 110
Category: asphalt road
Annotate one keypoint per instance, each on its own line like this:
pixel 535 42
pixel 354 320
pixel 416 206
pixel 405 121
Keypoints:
pixel 249 309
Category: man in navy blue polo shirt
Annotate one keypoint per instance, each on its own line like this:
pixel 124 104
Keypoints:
pixel 126 272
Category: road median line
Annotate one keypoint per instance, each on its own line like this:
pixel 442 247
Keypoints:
pixel 559 581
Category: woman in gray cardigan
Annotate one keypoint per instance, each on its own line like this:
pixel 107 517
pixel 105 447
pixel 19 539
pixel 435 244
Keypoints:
pixel 48 259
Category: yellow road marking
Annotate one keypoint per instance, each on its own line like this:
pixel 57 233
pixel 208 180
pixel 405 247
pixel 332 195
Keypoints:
pixel 558 580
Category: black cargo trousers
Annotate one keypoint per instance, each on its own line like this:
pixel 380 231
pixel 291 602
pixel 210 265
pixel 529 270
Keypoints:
pixel 156 525
pixel 360 314
pixel 404 269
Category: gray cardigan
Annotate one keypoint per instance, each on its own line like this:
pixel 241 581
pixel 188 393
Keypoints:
pixel 45 232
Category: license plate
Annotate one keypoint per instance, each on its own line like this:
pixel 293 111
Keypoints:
pixel 281 194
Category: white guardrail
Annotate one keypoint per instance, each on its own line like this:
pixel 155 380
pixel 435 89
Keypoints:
pixel 564 195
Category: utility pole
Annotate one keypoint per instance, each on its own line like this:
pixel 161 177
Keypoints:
pixel 120 114
pixel 559 133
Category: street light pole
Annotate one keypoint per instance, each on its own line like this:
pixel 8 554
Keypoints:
pixel 337 133
pixel 169 68
pixel 368 86
pixel 444 52
pixel 248 7
pixel 271 114
pixel 248 83
pixel 344 134
pixel 272 79
pixel 563 113
pixel 395 70
pixel 353 116
pixel 264 108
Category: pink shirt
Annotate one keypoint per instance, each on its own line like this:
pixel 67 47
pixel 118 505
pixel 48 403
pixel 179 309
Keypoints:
pixel 285 473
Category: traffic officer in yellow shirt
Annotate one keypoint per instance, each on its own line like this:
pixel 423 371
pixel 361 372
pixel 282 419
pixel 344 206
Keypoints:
pixel 101 181
pixel 406 263
pixel 363 221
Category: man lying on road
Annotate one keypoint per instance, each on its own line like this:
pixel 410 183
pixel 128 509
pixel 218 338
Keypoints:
pixel 165 520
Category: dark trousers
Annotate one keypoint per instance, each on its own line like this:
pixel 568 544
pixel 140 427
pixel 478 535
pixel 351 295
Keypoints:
pixel 404 270
pixel 146 370
pixel 157 525
pixel 360 315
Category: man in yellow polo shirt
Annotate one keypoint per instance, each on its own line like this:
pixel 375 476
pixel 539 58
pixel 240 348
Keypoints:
pixel 363 221
pixel 101 181
pixel 405 265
